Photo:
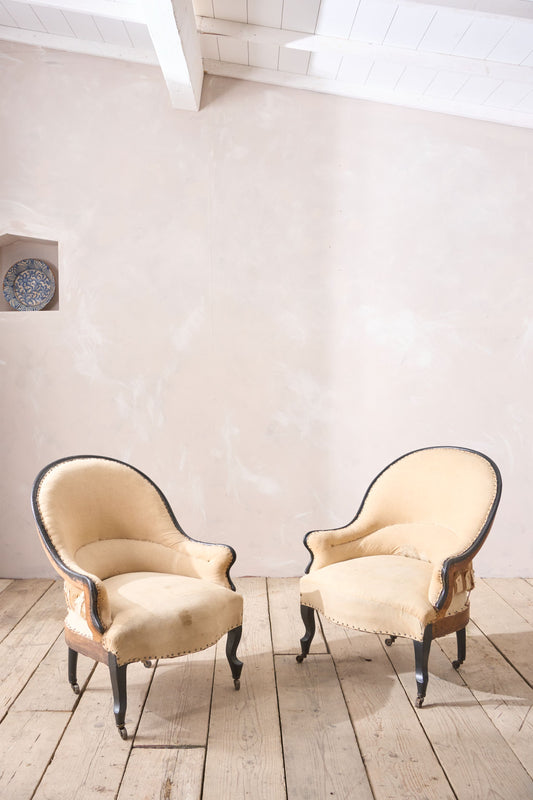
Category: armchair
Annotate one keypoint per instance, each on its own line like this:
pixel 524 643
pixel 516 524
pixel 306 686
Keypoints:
pixel 403 565
pixel 136 586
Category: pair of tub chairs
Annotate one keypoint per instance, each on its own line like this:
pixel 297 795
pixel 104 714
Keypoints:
pixel 138 588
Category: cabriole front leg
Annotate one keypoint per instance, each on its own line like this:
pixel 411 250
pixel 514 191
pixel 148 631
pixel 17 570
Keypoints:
pixel 118 683
pixel 461 648
pixel 73 670
pixel 308 617
pixel 232 643
pixel 421 665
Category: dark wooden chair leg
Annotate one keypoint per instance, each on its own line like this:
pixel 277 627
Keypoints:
pixel 421 665
pixel 118 683
pixel 73 670
pixel 308 616
pixel 232 643
pixel 461 648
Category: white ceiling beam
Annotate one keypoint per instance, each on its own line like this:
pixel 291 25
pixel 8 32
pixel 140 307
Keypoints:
pixel 423 103
pixel 73 45
pixel 129 10
pixel 396 55
pixel 172 27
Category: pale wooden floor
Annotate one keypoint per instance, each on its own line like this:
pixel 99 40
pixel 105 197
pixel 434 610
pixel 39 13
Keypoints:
pixel 341 725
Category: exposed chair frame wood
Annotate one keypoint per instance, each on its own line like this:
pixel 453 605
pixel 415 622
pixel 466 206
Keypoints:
pixel 455 573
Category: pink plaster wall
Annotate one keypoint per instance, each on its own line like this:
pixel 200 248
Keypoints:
pixel 263 303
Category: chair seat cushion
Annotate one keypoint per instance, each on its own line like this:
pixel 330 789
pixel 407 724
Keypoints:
pixel 159 615
pixel 382 594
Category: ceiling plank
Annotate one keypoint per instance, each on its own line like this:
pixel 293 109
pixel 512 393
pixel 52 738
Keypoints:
pixel 115 9
pixel 300 16
pixel 506 8
pixel 53 21
pixel 83 26
pixel 261 13
pixel 515 46
pixel 172 26
pixel 23 15
pixel 335 18
pixel 397 55
pixel 373 20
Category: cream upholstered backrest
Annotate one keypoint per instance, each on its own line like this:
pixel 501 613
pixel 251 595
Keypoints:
pixel 431 504
pixel 444 486
pixel 104 518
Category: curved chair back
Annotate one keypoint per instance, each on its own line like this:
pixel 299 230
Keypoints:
pixel 455 488
pixel 104 516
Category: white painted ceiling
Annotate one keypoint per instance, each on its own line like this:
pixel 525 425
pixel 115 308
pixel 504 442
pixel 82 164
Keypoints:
pixel 471 58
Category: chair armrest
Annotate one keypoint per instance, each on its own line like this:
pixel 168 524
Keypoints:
pixel 338 544
pixel 206 560
pixel 456 573
pixel 85 594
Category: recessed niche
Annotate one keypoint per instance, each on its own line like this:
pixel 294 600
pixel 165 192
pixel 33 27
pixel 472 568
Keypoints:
pixel 14 248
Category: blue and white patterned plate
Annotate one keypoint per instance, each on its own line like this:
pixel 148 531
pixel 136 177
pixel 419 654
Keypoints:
pixel 29 285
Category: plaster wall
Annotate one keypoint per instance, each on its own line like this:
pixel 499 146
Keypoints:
pixel 263 303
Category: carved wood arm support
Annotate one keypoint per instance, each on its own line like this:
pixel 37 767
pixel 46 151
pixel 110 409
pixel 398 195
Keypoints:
pixel 85 595
pixel 455 577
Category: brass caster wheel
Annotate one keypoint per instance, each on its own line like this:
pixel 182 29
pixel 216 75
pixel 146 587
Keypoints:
pixel 456 664
pixel 419 702
pixel 75 688
pixel 147 663
pixel 237 684
pixel 300 658
pixel 123 732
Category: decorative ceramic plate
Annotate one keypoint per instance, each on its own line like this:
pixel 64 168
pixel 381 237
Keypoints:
pixel 29 285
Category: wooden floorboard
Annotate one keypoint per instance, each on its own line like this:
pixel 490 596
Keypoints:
pixel 506 628
pixel 91 758
pixel 244 754
pixel 517 592
pixel 322 757
pixel 400 761
pixel 503 694
pixel 27 644
pixel 477 760
pixel 340 725
pixel 176 713
pixel 16 599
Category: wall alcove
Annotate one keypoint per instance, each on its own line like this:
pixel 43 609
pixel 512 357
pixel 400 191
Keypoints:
pixel 13 248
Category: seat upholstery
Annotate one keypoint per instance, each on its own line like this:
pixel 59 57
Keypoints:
pixel 157 615
pixel 136 586
pixel 382 594
pixel 403 565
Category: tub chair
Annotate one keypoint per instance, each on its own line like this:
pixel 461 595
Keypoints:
pixel 137 587
pixel 403 565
